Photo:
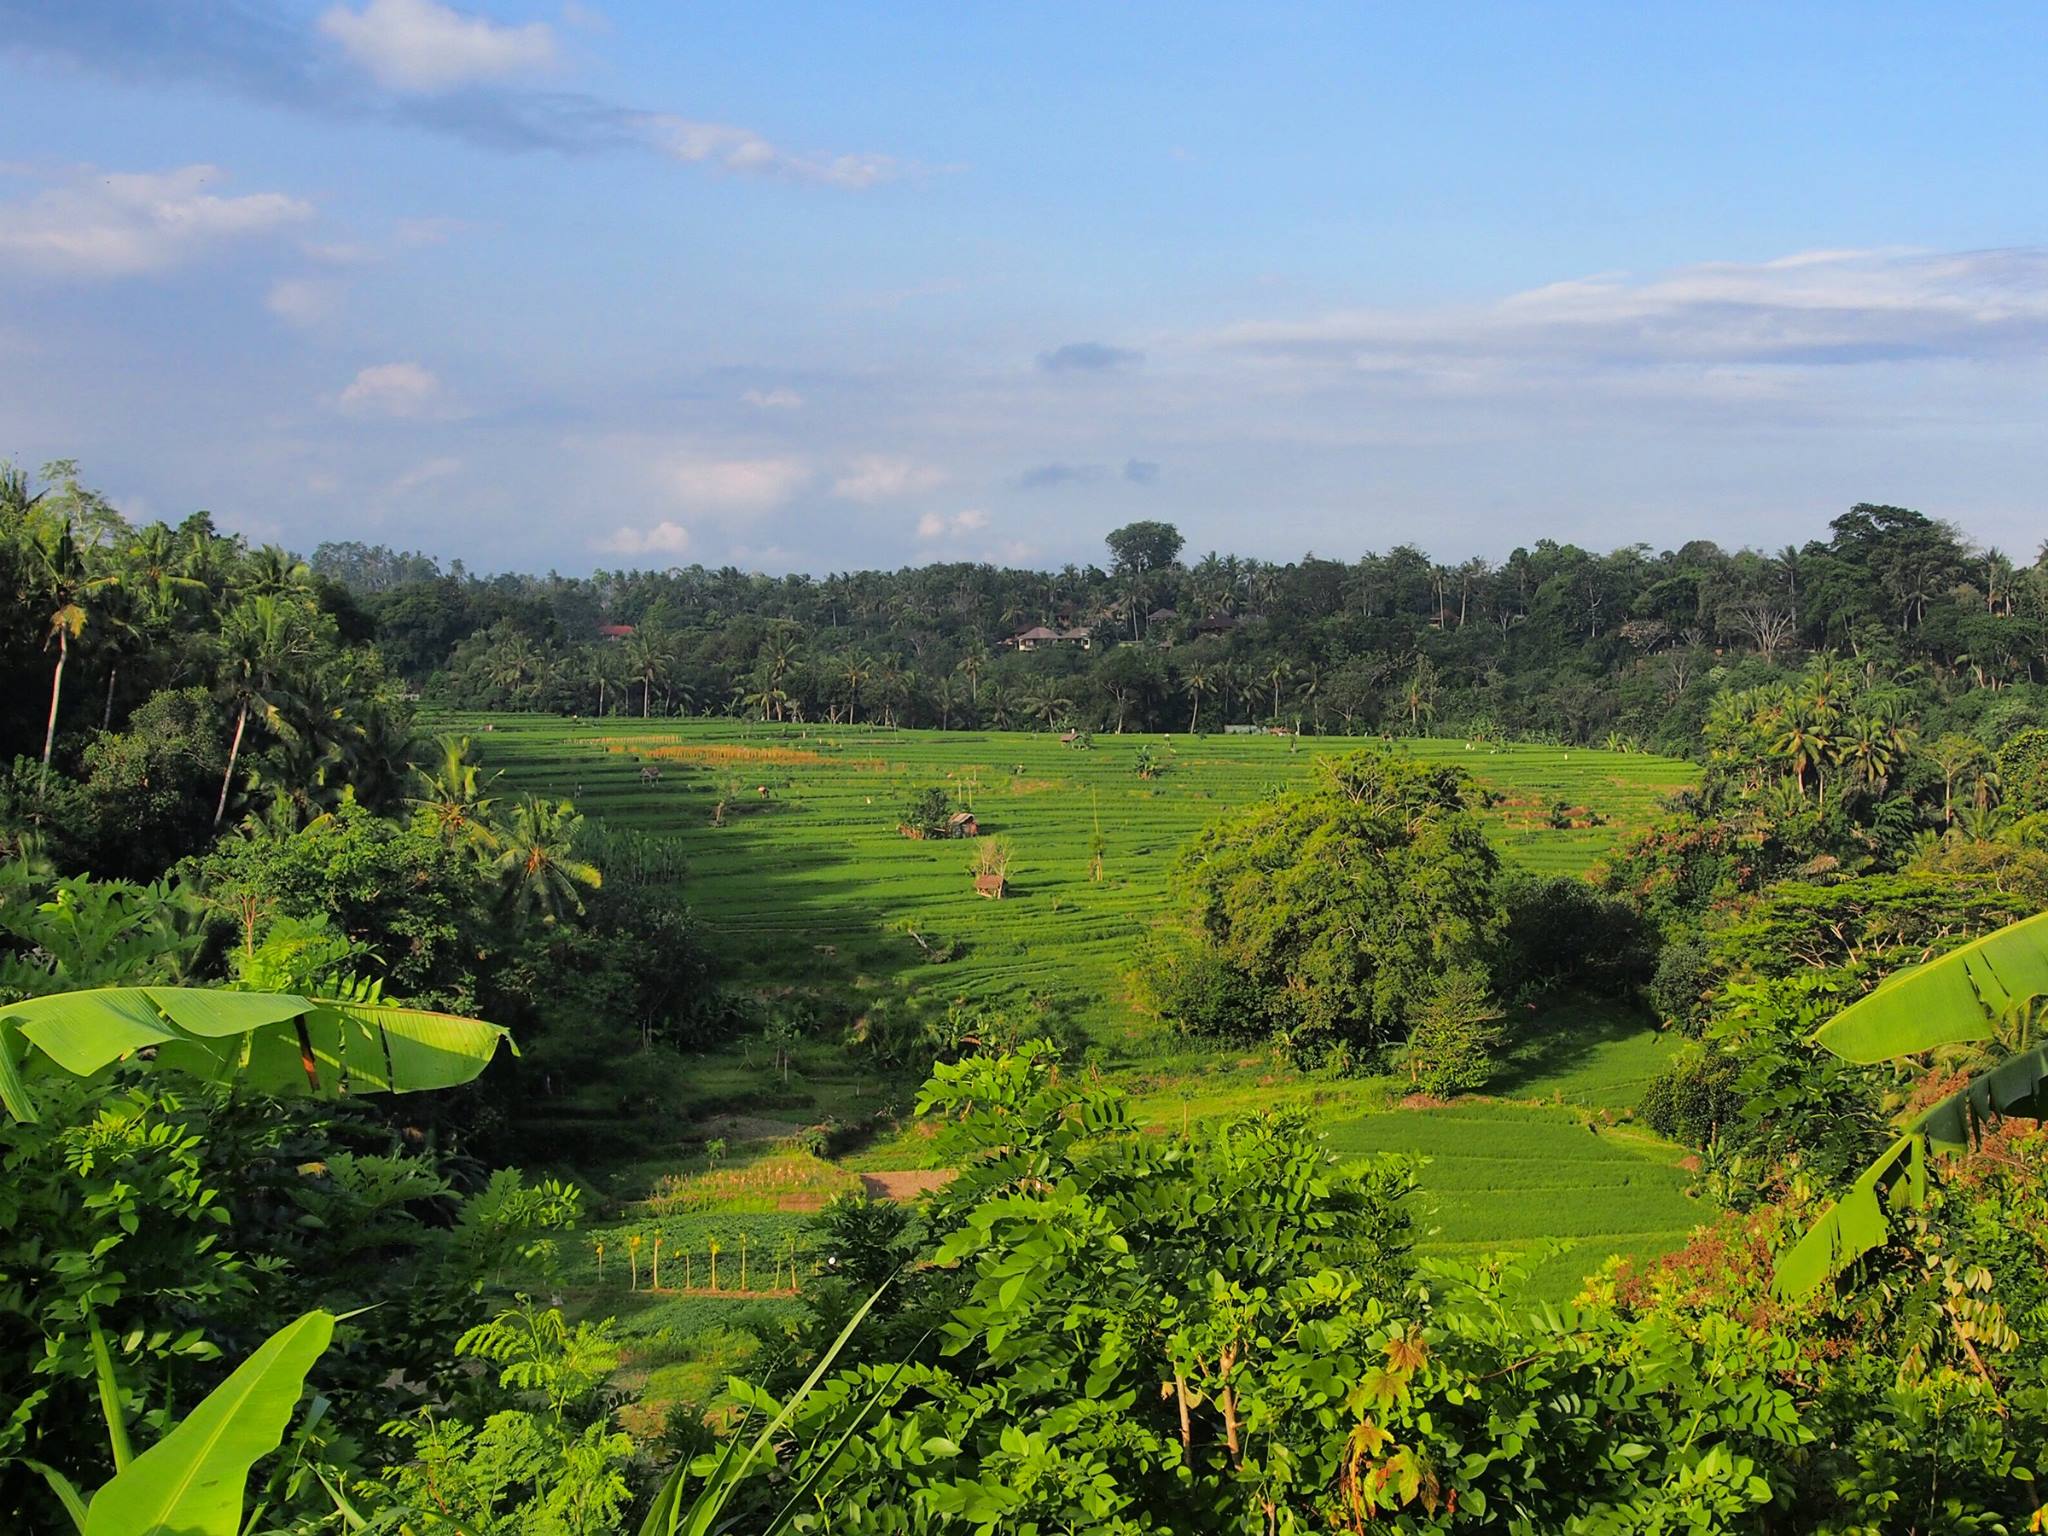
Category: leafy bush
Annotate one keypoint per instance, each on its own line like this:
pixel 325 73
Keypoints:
pixel 1690 1100
pixel 1564 932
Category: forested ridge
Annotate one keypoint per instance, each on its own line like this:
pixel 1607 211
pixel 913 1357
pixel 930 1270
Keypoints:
pixel 289 1243
pixel 1555 641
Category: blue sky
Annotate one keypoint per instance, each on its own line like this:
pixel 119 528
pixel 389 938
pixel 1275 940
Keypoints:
pixel 810 287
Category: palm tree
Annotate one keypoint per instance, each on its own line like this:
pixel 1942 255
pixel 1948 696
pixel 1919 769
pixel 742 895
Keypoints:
pixel 453 799
pixel 272 572
pixel 855 670
pixel 260 639
pixel 971 666
pixel 999 706
pixel 1276 674
pixel 538 869
pixel 1804 742
pixel 1194 684
pixel 646 659
pixel 1310 690
pixel 1047 705
pixel 64 584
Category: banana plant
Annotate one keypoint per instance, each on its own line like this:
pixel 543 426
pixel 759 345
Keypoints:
pixel 277 1043
pixel 193 1481
pixel 1988 994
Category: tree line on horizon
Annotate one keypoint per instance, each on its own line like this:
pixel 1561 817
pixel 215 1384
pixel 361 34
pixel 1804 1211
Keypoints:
pixel 1555 642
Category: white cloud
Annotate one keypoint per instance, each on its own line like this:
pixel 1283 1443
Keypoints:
pixel 745 152
pixel 877 477
pixel 728 485
pixel 418 45
pixel 303 300
pixel 777 399
pixel 425 473
pixel 401 390
pixel 1811 309
pixel 664 538
pixel 119 224
pixel 936 525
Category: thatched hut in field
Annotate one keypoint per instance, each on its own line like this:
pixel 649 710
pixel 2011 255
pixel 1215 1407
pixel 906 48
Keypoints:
pixel 962 824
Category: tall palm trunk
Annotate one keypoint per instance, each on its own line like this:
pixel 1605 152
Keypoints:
pixel 646 688
pixel 56 692
pixel 107 716
pixel 1194 718
pixel 234 751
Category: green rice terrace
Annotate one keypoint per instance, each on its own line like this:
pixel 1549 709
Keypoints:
pixel 806 882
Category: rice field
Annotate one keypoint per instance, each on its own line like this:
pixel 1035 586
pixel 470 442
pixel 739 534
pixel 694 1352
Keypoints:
pixel 808 881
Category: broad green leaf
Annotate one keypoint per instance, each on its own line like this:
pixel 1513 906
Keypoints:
pixel 1961 996
pixel 1856 1223
pixel 2016 1086
pixel 275 1043
pixel 192 1482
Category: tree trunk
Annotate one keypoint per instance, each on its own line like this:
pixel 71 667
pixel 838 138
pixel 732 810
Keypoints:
pixel 1197 715
pixel 646 688
pixel 107 718
pixel 56 692
pixel 234 751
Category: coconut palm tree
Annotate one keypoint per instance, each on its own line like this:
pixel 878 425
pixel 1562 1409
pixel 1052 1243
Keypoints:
pixel 971 667
pixel 65 586
pixel 453 798
pixel 646 659
pixel 1280 670
pixel 855 670
pixel 1194 683
pixel 1805 742
pixel 538 870
pixel 1000 708
pixel 261 640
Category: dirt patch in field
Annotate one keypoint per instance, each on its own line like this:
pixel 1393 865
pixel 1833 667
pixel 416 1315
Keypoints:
pixel 906 1184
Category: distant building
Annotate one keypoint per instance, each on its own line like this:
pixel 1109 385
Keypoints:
pixel 614 631
pixel 962 824
pixel 1039 635
pixel 1221 624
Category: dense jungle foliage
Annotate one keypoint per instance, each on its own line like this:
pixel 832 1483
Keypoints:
pixel 231 1240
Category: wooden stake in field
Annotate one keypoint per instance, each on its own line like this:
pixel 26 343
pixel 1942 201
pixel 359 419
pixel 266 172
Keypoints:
pixel 633 1257
pixel 743 1261
pixel 657 1262
pixel 686 1269
pixel 599 1243
pixel 714 1263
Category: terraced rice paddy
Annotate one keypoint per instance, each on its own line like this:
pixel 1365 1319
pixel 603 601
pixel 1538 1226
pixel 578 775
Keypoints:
pixel 810 882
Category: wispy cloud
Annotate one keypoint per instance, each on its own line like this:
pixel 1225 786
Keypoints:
pixel 417 45
pixel 101 224
pixel 663 538
pixel 1813 309
pixel 878 477
pixel 777 399
pixel 414 61
pixel 1044 477
pixel 712 484
pixel 1140 471
pixel 937 525
pixel 1087 357
pixel 395 391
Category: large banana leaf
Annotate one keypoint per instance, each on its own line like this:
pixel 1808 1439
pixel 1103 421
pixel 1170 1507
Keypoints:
pixel 277 1043
pixel 192 1482
pixel 1961 996
pixel 1858 1222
